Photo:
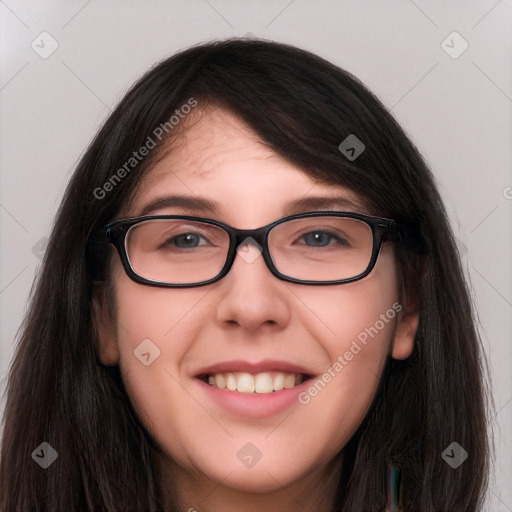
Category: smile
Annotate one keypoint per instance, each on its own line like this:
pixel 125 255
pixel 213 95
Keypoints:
pixel 253 389
pixel 263 382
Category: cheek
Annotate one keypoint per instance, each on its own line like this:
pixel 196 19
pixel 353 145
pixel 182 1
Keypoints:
pixel 156 328
pixel 361 311
pixel 346 387
pixel 355 323
pixel 166 316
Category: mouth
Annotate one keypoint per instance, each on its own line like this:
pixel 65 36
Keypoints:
pixel 257 390
pixel 254 383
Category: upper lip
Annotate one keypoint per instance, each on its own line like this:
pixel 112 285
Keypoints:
pixel 266 365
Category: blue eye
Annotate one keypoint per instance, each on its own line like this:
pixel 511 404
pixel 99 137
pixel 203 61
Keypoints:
pixel 186 240
pixel 322 239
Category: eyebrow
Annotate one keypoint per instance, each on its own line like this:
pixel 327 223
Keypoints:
pixel 337 203
pixel 188 203
pixel 206 206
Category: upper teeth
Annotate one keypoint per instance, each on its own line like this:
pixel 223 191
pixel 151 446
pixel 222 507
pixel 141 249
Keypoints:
pixel 264 382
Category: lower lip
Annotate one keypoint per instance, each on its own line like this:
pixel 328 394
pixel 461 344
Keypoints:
pixel 253 405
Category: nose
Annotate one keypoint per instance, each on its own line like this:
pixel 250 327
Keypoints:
pixel 251 296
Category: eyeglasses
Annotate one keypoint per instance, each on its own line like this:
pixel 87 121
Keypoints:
pixel 316 248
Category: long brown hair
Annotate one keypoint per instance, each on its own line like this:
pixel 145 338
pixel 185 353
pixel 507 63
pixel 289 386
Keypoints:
pixel 303 107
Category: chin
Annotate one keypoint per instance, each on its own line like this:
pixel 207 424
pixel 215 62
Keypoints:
pixel 254 481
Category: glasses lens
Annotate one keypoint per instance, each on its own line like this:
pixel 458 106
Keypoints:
pixel 322 248
pixel 176 251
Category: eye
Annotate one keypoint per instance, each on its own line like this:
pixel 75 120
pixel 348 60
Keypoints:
pixel 322 238
pixel 187 240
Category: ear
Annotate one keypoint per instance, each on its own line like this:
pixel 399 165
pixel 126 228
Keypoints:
pixel 405 332
pixel 103 321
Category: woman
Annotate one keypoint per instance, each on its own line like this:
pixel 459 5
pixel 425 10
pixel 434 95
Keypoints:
pixel 251 300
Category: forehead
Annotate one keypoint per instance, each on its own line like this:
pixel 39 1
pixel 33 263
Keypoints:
pixel 217 157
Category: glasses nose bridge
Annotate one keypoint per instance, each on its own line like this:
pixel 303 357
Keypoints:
pixel 258 235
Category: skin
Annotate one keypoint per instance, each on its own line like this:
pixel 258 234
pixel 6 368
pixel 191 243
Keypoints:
pixel 251 315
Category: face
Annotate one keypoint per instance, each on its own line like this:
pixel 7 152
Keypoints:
pixel 249 321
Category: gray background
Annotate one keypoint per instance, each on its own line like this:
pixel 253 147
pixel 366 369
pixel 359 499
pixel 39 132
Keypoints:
pixel 457 110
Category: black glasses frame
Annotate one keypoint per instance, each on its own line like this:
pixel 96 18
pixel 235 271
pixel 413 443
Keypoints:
pixel 115 234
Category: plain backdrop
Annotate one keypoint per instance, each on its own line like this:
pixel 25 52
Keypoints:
pixel 455 102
